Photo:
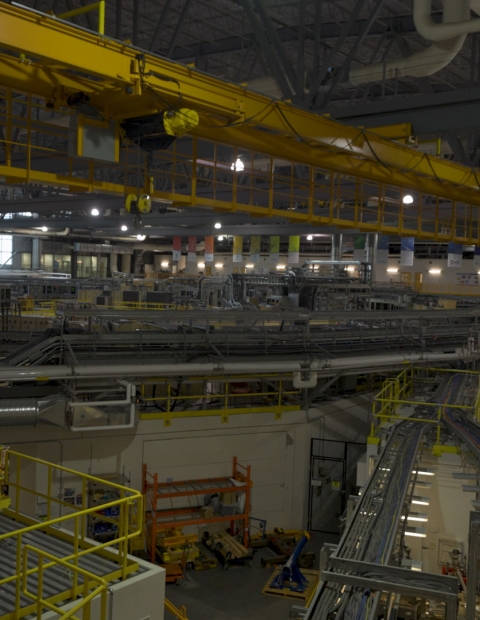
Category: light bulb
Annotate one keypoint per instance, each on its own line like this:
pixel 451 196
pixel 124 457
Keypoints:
pixel 310 238
pixel 141 237
pixel 95 212
pixel 218 225
pixel 44 229
pixel 201 265
pixel 220 238
pixel 219 265
pixel 124 227
pixel 238 166
pixel 407 199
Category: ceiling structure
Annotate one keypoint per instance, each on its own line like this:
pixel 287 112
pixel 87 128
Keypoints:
pixel 302 51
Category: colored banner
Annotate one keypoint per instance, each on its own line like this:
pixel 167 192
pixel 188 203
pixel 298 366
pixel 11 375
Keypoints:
pixel 293 249
pixel 476 257
pixel 237 249
pixel 383 244
pixel 208 253
pixel 255 246
pixel 407 250
pixel 455 255
pixel 359 243
pixel 177 249
pixel 274 249
pixel 192 249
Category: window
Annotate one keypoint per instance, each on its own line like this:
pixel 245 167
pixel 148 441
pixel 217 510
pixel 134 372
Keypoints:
pixel 6 250
pixel 26 260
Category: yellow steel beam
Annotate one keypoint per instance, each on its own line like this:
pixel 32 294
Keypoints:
pixel 123 82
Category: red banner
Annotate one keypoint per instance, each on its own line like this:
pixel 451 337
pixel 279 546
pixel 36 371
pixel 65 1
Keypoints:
pixel 192 248
pixel 209 249
pixel 177 249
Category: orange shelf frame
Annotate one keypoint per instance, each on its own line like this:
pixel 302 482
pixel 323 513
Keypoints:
pixel 160 519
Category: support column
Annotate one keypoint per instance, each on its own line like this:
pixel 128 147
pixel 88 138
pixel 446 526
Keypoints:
pixel 126 263
pixel 337 241
pixel 36 253
pixel 371 253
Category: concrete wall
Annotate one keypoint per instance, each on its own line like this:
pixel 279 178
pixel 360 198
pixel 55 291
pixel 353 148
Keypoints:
pixel 278 452
pixel 448 512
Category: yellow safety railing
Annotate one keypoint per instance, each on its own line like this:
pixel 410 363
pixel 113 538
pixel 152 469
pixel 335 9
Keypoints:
pixel 223 402
pixel 93 586
pixel 62 498
pixel 100 6
pixel 395 392
pixel 178 612
pixel 140 305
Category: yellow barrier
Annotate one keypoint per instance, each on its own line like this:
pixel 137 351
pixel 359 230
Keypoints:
pixel 178 612
pixel 124 514
pixel 229 401
pixel 395 392
pixel 85 9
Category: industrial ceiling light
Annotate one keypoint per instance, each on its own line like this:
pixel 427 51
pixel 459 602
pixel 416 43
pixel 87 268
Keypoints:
pixel 218 225
pixel 350 268
pixel 420 501
pixel 423 472
pixel 392 270
pixel 165 263
pixel 44 229
pixel 280 267
pixel 124 227
pixel 220 238
pixel 416 516
pixel 310 238
pixel 419 532
pixel 141 237
pixel 407 199
pixel 219 265
pixel 95 212
pixel 423 484
pixel 249 266
pixel 435 271
pixel 238 166
pixel 201 265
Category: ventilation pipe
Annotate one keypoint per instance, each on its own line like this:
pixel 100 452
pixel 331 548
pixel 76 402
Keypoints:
pixel 430 30
pixel 94 371
pixel 427 61
pixel 32 412
pixel 310 381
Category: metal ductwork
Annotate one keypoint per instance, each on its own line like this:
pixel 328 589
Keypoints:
pixel 447 42
pixel 33 412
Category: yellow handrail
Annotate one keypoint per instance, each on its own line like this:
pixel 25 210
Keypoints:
pixel 86 9
pixel 42 603
pixel 124 512
pixel 179 612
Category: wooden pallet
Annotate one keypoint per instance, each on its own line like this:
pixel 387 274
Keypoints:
pixel 311 575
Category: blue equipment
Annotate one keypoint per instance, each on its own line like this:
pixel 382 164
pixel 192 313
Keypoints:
pixel 290 575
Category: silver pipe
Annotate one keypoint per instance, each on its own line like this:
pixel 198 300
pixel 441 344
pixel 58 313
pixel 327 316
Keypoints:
pixel 16 412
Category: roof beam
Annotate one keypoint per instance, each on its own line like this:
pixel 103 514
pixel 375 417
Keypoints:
pixel 435 113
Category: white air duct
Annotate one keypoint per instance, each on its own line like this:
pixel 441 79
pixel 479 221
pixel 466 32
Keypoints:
pixel 422 16
pixel 427 61
pixel 308 382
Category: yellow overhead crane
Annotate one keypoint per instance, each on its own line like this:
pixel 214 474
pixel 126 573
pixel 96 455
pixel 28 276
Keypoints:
pixel 56 61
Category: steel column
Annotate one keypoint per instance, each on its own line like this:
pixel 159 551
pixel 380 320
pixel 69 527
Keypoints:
pixel 178 27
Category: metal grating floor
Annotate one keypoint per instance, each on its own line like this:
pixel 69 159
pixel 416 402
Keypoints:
pixel 56 579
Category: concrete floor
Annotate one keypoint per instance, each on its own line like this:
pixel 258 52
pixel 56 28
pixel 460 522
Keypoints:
pixel 235 594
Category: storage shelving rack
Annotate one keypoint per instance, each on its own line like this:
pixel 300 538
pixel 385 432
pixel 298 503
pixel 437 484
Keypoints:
pixel 162 518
